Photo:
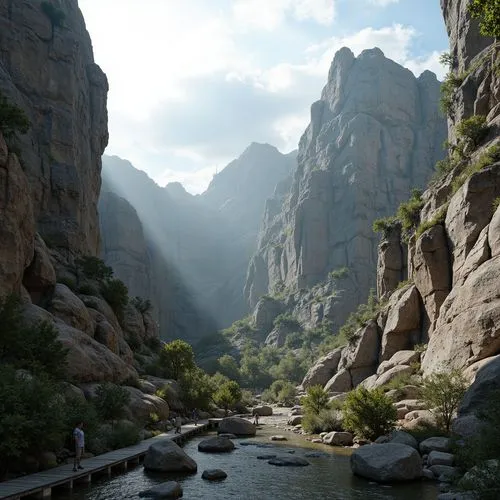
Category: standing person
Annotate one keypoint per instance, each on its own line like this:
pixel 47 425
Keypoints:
pixel 195 416
pixel 79 439
pixel 178 424
pixel 256 418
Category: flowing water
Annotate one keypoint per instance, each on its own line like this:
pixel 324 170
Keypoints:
pixel 328 477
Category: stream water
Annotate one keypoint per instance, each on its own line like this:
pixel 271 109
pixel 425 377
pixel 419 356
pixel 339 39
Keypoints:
pixel 328 477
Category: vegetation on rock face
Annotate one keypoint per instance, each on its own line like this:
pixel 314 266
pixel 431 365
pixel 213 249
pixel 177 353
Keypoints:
pixel 12 119
pixel 488 13
pixel 142 305
pixel 438 218
pixel 115 293
pixel 385 225
pixel 443 392
pixel 471 131
pixel 369 414
pixel 287 321
pixel 94 268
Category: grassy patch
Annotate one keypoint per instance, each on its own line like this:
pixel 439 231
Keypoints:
pixel 438 218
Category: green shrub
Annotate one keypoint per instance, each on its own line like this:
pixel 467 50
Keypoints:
pixel 438 218
pixel 154 344
pixel 122 435
pixel 55 14
pixel 399 381
pixel 115 293
pixel 34 348
pixel 472 130
pixel 176 358
pixel 488 13
pixel 76 410
pixel 228 366
pixel 409 211
pixel 142 305
pixel 339 274
pixel 385 225
pixel 446 59
pixel 369 414
pixel 315 400
pixel 31 416
pixel 443 392
pixel 328 420
pixel 359 318
pixel 227 395
pixel 110 401
pixel 94 268
pixel 280 391
pixel 287 321
pixel 88 289
pixel 197 389
pixel 13 120
pixel 69 282
pixel 448 90
pixel 489 157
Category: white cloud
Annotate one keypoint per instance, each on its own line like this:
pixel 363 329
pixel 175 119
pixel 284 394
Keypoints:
pixel 383 3
pixel 270 14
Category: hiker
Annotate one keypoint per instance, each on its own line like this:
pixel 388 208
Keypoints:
pixel 256 418
pixel 178 424
pixel 79 438
pixel 195 416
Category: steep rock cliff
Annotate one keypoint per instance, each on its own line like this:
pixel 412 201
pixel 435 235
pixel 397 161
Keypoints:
pixel 49 72
pixel 375 133
pixel 198 247
pixel 453 260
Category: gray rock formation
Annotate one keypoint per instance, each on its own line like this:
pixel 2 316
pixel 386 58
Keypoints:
pixel 375 134
pixel 50 73
pixel 192 255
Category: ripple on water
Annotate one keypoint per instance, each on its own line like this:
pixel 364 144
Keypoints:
pixel 328 477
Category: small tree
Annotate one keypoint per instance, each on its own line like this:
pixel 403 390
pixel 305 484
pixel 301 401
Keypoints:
pixel 94 268
pixel 110 401
pixel 227 366
pixel 142 305
pixel 196 388
pixel 176 358
pixel 227 395
pixel 12 119
pixel 369 414
pixel 443 392
pixel 316 400
pixel 488 13
pixel 472 130
pixel 115 293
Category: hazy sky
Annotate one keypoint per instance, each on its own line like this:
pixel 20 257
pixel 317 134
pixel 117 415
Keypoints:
pixel 193 82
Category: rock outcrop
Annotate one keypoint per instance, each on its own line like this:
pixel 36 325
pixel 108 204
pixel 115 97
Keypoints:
pixel 375 133
pixel 49 72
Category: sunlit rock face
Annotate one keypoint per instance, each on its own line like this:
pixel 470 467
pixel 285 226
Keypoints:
pixel 49 72
pixel 193 255
pixel 375 134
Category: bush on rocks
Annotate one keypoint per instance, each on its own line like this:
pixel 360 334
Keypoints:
pixel 325 421
pixel 369 414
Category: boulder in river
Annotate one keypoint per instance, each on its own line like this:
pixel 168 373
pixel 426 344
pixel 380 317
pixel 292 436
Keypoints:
pixel 216 444
pixel 262 411
pixel 237 426
pixel 288 462
pixel 435 444
pixel 228 435
pixel 278 437
pixel 385 463
pixel 213 474
pixel 167 456
pixel 170 489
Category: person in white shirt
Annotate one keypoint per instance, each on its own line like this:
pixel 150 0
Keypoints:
pixel 79 438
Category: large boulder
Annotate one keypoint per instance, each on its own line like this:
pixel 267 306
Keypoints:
pixel 262 411
pixel 216 445
pixel 288 462
pixel 167 456
pixel 141 406
pixel 390 262
pixel 399 437
pixel 363 354
pixel 434 444
pixel 403 322
pixel 68 307
pixel 400 358
pixel 338 438
pixel 214 474
pixel 170 489
pixel 340 382
pixel 386 463
pixel 104 331
pixel 237 426
pixel 393 373
pixel 323 370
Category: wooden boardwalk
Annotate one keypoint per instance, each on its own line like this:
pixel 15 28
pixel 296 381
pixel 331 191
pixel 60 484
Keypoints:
pixel 42 483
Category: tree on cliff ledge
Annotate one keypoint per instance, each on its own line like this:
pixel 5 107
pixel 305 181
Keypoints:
pixel 488 13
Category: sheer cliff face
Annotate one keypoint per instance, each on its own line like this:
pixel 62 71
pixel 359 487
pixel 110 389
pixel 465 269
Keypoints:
pixel 374 134
pixel 198 247
pixel 50 73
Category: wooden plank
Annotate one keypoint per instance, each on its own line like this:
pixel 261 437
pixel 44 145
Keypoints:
pixel 34 483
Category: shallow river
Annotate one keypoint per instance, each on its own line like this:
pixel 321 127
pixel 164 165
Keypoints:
pixel 328 477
